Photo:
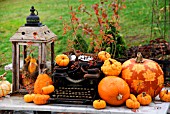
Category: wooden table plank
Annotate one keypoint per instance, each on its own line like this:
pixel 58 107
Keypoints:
pixel 17 103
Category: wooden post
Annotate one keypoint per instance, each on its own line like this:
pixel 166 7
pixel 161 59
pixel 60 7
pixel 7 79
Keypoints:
pixel 44 53
pixel 14 71
pixel 17 66
pixel 24 53
pixel 40 57
pixel 52 57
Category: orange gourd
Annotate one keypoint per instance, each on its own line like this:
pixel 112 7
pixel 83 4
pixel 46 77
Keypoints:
pixel 111 67
pixel 164 95
pixel 143 75
pixel 62 60
pixel 114 90
pixel 103 55
pixel 42 81
pixel 132 102
pixel 32 65
pixel 29 98
pixel 47 89
pixel 144 99
pixel 99 104
pixel 40 99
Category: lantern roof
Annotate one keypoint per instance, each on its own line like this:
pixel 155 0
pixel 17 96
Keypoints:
pixel 33 34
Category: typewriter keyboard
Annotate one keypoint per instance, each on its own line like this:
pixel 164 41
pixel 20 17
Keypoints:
pixel 75 92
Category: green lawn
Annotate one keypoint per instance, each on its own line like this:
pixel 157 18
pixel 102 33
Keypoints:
pixel 135 22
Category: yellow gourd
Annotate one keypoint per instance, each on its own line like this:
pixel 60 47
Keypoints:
pixel 111 67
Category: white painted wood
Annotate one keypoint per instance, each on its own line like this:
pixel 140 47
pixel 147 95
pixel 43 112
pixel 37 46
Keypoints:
pixel 17 103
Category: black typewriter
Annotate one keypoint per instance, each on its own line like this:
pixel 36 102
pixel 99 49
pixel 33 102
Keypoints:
pixel 78 82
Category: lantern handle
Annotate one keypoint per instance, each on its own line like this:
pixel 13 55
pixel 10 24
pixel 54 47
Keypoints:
pixel 36 11
pixel 32 10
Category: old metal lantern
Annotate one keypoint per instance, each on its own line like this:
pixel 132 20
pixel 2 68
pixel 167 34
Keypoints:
pixel 32 44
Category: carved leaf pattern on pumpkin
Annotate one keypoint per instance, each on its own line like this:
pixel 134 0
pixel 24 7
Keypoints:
pixel 160 80
pixel 149 75
pixel 151 91
pixel 152 65
pixel 137 85
pixel 127 63
pixel 138 68
pixel 128 74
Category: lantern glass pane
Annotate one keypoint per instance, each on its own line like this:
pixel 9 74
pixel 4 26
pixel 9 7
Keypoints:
pixel 29 70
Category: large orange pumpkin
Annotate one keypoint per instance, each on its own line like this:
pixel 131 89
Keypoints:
pixel 114 90
pixel 42 81
pixel 143 75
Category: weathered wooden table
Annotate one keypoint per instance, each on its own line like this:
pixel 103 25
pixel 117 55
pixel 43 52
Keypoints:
pixel 17 103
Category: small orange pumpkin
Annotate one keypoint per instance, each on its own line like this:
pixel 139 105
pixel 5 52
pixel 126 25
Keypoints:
pixel 40 99
pixel 62 60
pixel 132 102
pixel 114 90
pixel 133 97
pixel 99 104
pixel 47 89
pixel 111 67
pixel 29 98
pixel 144 99
pixel 143 75
pixel 103 55
pixel 164 95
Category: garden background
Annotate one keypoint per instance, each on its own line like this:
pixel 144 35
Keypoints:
pixel 137 21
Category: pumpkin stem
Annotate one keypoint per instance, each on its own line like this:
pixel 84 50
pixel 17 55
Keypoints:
pixel 105 54
pixel 2 77
pixel 99 100
pixel 110 61
pixel 143 94
pixel 119 97
pixel 139 58
pixel 167 91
